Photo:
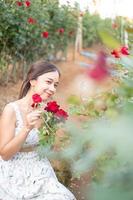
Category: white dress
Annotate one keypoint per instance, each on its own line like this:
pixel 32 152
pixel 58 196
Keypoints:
pixel 26 176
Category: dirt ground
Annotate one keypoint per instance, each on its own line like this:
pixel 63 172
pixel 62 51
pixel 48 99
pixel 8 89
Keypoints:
pixel 71 83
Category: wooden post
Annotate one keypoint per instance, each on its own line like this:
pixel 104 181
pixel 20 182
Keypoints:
pixel 126 38
pixel 78 41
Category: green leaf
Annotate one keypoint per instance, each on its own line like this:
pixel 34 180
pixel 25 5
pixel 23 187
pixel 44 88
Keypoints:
pixel 108 39
pixel 73 99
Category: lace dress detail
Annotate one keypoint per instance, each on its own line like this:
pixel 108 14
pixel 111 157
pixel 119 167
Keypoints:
pixel 32 138
pixel 25 176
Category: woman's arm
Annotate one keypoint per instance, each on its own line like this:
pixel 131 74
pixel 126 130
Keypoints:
pixel 9 143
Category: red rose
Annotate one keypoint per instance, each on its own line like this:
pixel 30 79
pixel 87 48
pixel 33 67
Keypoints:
pixel 115 53
pixel 45 34
pixel 19 3
pixel 61 114
pixel 36 98
pixel 61 30
pixel 31 20
pixel 27 3
pixel 52 106
pixel 124 51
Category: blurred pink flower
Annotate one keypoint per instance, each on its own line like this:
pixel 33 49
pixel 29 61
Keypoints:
pixel 100 70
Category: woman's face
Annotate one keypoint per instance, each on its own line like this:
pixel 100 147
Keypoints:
pixel 46 84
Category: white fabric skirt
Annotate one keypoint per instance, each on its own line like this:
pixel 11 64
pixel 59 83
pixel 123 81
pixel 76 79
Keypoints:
pixel 26 176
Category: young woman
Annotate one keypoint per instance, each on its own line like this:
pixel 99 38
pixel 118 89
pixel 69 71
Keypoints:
pixel 23 175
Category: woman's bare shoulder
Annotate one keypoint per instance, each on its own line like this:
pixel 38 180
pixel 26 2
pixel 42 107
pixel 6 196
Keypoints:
pixel 8 110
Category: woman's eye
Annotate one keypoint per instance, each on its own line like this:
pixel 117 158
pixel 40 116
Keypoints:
pixel 49 82
pixel 55 85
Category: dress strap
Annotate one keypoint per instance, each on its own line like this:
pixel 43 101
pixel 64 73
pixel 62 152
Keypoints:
pixel 19 120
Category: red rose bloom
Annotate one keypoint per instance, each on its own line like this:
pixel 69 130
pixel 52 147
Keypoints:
pixel 61 30
pixel 52 117
pixel 19 3
pixel 27 3
pixel 31 20
pixel 52 106
pixel 36 98
pixel 61 114
pixel 115 53
pixel 124 50
pixel 45 34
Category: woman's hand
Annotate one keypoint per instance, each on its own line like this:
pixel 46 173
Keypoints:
pixel 32 118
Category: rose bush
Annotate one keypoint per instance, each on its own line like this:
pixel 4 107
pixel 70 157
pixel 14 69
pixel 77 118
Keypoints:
pixel 30 30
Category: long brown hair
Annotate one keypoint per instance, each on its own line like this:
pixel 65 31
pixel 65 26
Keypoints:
pixel 37 69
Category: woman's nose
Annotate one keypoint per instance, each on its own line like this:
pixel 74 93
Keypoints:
pixel 52 88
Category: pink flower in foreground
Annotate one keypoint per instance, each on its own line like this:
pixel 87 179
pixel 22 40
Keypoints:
pixel 100 70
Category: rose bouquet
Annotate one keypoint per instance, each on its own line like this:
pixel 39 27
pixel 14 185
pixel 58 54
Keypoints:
pixel 52 117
